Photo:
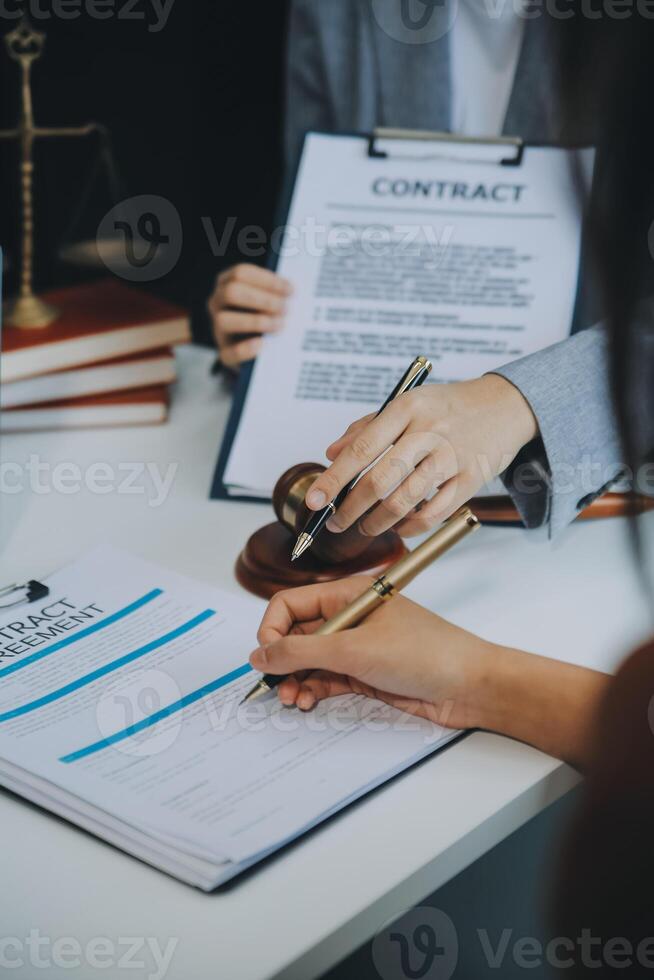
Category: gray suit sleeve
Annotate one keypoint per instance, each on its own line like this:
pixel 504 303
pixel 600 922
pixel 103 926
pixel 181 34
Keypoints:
pixel 578 455
pixel 307 91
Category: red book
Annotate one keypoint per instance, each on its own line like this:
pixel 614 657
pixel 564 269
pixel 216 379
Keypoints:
pixel 99 322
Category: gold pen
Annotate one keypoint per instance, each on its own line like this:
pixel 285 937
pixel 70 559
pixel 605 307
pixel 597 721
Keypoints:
pixel 389 584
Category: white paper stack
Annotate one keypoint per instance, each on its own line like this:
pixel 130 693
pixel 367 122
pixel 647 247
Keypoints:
pixel 119 710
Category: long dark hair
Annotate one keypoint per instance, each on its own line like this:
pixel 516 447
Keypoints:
pixel 607 864
pixel 606 71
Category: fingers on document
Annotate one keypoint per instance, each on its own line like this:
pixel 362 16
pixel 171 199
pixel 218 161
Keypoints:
pixel 232 355
pixel 247 289
pixel 244 296
pixel 232 322
pixel 247 301
pixel 289 689
pixel 254 275
pixel 316 686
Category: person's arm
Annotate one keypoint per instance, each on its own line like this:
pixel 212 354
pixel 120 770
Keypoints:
pixel 453 438
pixel 545 423
pixel 577 455
pixel 543 702
pixel 418 662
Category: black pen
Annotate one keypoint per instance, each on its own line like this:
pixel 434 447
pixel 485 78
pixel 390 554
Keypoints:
pixel 416 374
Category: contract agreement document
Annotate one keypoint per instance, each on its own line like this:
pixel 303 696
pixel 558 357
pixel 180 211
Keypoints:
pixel 119 711
pixel 439 249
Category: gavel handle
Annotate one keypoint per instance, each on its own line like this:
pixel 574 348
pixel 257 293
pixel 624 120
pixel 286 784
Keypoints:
pixel 500 510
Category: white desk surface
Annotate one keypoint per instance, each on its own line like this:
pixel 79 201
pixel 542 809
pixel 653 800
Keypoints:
pixel 300 913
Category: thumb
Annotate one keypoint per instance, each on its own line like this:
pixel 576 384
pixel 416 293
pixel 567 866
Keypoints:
pixel 295 652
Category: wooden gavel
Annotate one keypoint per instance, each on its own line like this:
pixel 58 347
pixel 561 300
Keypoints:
pixel 264 566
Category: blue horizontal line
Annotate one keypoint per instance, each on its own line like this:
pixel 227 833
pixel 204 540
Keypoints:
pixel 107 668
pixel 158 716
pixel 60 644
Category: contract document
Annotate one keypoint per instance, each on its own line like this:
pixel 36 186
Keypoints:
pixel 449 250
pixel 119 710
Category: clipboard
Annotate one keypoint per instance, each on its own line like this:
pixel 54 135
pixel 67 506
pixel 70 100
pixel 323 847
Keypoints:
pixel 429 144
pixel 420 137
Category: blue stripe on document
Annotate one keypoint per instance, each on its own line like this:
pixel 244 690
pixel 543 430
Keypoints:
pixel 158 716
pixel 108 668
pixel 100 625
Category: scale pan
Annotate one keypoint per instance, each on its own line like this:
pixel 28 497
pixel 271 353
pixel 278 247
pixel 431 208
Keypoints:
pixel 91 254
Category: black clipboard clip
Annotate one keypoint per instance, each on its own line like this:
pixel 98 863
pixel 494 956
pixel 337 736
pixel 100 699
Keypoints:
pixel 425 136
pixel 31 591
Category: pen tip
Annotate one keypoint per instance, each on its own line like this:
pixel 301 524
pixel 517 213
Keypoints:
pixel 303 542
pixel 257 691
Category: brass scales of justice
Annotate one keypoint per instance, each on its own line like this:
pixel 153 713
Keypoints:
pixel 25 45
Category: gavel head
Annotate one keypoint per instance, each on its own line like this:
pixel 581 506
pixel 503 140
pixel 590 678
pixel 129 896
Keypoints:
pixel 264 566
pixel 288 502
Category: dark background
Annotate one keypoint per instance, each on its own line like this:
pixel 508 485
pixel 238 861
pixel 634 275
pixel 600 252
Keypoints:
pixel 194 113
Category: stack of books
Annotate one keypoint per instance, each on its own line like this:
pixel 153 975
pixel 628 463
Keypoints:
pixel 106 361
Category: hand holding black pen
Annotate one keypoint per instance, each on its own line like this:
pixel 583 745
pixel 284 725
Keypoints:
pixel 414 376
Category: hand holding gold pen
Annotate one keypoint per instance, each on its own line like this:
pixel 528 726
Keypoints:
pixel 393 581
